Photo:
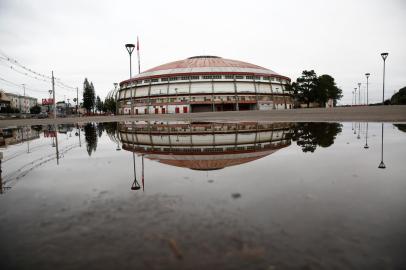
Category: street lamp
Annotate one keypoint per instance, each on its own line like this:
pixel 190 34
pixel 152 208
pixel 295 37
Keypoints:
pixel 352 98
pixel 384 56
pixel 367 75
pixel 130 49
pixel 355 96
pixel 359 93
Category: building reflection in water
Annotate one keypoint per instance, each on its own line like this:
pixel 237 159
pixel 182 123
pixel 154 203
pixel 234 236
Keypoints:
pixel 202 146
pixel 17 135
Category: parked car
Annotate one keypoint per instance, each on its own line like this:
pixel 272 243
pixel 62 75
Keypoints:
pixel 43 115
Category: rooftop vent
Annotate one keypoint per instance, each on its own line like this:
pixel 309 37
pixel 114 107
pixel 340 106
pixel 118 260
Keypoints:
pixel 203 56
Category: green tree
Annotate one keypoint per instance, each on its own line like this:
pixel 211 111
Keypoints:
pixel 36 109
pixel 326 89
pixel 88 96
pixel 306 87
pixel 99 104
pixel 110 105
pixel 399 98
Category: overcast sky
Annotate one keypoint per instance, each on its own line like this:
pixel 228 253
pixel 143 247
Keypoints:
pixel 78 39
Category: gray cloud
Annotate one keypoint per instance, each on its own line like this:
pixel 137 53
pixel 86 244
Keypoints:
pixel 79 39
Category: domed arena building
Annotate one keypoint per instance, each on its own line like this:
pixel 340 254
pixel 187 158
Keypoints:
pixel 204 84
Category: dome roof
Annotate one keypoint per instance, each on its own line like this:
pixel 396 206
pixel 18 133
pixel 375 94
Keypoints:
pixel 205 61
pixel 205 64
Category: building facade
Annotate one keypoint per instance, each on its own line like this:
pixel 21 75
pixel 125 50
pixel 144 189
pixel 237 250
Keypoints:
pixel 22 103
pixel 204 84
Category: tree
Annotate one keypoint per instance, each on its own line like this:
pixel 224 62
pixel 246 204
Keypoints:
pixel 110 105
pixel 399 98
pixel 99 104
pixel 88 96
pixel 36 109
pixel 326 89
pixel 306 87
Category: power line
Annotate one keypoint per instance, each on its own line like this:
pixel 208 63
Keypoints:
pixel 44 77
pixel 19 85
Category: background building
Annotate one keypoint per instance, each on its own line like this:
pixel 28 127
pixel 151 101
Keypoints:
pixel 22 103
pixel 202 84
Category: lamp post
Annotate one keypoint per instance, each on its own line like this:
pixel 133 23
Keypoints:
pixel 359 93
pixel 367 75
pixel 130 49
pixel 352 98
pixel 384 56
pixel 116 97
pixel 355 96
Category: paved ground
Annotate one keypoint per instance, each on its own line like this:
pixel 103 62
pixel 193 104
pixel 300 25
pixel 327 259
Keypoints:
pixel 342 114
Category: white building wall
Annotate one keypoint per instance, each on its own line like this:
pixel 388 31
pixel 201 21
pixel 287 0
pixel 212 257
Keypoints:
pixel 264 88
pixel 180 88
pixel 223 87
pixel 141 91
pixel 243 87
pixel 159 89
pixel 201 87
pixel 266 106
pixel 276 88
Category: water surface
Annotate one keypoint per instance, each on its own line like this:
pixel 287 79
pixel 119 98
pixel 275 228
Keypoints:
pixel 203 195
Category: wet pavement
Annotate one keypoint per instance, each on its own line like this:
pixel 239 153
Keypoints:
pixel 203 195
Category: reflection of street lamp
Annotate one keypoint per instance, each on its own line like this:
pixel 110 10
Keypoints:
pixel 130 49
pixel 367 75
pixel 382 165
pixel 359 131
pixel 384 56
pixel 366 138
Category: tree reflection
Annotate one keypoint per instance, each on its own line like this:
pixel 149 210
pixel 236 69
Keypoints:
pixel 401 127
pixel 310 135
pixel 110 128
pixel 100 129
pixel 90 137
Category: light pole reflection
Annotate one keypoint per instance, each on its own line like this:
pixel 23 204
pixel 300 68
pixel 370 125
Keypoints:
pixel 56 144
pixel 359 131
pixel 135 185
pixel 366 137
pixel 382 165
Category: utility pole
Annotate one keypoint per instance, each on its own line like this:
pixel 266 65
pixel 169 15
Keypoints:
pixel 77 101
pixel 53 93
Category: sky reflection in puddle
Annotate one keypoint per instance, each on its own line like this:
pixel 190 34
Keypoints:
pixel 230 191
